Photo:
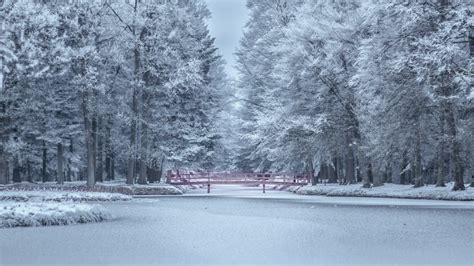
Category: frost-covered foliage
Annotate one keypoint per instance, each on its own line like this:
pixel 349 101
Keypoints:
pixel 60 196
pixel 46 214
pixel 94 88
pixel 373 91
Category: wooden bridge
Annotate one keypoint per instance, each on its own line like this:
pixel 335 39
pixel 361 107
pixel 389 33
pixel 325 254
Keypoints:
pixel 235 178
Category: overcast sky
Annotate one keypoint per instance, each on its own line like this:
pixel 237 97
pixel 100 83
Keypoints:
pixel 226 25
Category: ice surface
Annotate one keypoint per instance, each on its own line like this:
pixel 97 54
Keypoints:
pixel 249 227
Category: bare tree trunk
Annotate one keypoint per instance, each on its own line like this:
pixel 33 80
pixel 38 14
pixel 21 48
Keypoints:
pixel 332 178
pixel 151 172
pixel 411 174
pixel 131 172
pixel 160 172
pixel 94 147
pixel 388 174
pixel 142 179
pixel 107 167
pixel 331 173
pixel 89 126
pixel 377 178
pixel 442 169
pixel 369 175
pixel 310 172
pixel 419 182
pixel 108 152
pixel 28 171
pixel 60 170
pixel 3 126
pixel 69 170
pixel 100 152
pixel 16 171
pixel 340 170
pixel 402 173
pixel 44 174
pixel 322 175
pixel 90 153
pixel 131 158
pixel 455 150
pixel 350 164
pixel 133 135
pixel 112 167
pixel 448 110
pixel 3 168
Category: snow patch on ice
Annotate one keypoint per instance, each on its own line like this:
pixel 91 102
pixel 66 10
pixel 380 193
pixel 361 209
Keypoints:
pixel 23 214
pixel 21 208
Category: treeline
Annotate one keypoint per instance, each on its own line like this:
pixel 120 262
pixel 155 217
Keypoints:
pixel 359 91
pixel 89 89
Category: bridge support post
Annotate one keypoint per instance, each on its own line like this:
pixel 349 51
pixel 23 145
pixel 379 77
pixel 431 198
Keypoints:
pixel 208 188
pixel 263 185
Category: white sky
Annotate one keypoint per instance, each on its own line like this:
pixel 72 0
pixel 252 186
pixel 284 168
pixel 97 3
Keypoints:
pixel 226 25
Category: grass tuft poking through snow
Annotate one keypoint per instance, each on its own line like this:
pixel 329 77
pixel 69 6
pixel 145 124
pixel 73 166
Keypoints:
pixel 14 214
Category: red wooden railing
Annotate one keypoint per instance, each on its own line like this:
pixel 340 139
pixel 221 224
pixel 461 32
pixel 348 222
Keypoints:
pixel 235 178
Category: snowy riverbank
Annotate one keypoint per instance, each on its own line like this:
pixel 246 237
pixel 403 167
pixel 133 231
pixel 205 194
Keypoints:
pixel 60 196
pixel 108 187
pixel 388 191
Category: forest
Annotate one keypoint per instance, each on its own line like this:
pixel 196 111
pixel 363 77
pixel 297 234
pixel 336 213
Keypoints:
pixel 345 91
pixel 92 89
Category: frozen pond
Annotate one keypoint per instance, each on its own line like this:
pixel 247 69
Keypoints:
pixel 228 229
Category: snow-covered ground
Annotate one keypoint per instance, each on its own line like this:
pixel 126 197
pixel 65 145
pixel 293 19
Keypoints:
pixel 13 214
pixel 389 191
